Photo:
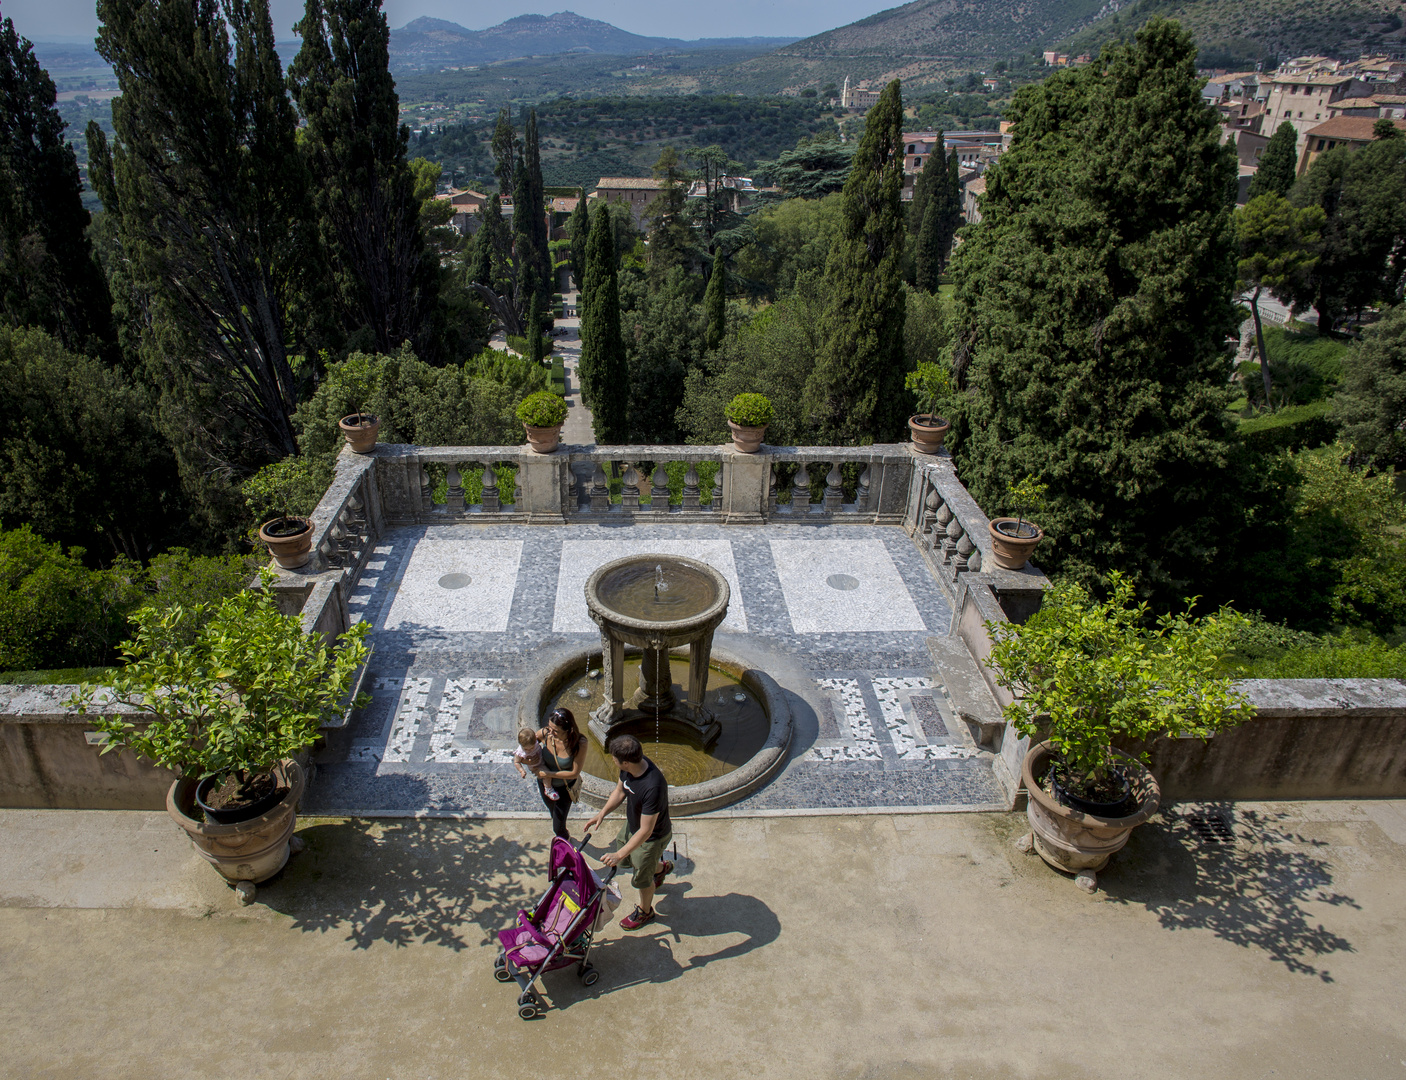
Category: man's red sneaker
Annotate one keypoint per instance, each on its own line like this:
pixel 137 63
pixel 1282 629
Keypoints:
pixel 637 918
pixel 659 877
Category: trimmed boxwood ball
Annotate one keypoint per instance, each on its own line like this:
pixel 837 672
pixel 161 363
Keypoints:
pixel 543 409
pixel 750 410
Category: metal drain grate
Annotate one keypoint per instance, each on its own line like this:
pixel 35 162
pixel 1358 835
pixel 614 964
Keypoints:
pixel 1211 828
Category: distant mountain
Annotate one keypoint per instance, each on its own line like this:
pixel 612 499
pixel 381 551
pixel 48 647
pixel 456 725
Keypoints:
pixel 429 42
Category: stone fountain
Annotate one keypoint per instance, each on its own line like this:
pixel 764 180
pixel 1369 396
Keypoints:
pixel 656 603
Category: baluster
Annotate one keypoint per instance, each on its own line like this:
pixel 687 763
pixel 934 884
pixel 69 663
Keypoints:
pixel 962 563
pixel 690 488
pixel 349 539
pixel 800 491
pixel 834 489
pixel 489 500
pixel 932 502
pixel 630 488
pixel 974 560
pixel 426 491
pixel 949 546
pixel 939 532
pixel 771 492
pixel 718 490
pixel 861 498
pixel 455 503
pixel 659 492
pixel 517 488
pixel 600 491
pixel 330 554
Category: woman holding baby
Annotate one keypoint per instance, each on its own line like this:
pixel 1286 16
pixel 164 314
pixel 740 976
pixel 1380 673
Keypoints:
pixel 563 753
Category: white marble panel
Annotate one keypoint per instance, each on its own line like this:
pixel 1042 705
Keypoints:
pixel 421 602
pixel 447 745
pixel 893 692
pixel 858 742
pixel 842 586
pixel 409 715
pixel 580 558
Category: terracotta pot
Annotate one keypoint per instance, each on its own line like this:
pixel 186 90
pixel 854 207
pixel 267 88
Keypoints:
pixel 245 852
pixel 289 552
pixel 543 439
pixel 360 431
pixel 927 439
pixel 1072 841
pixel 746 440
pixel 1013 552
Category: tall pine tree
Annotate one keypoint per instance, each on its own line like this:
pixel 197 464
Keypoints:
pixel 1092 303
pixel 385 279
pixel 855 393
pixel 214 221
pixel 578 229
pixel 48 276
pixel 605 375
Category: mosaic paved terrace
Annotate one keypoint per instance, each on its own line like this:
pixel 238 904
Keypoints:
pixel 463 614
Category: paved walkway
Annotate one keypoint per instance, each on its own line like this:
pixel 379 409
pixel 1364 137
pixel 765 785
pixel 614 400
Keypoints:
pixel 877 947
pixel 839 615
pixel 578 429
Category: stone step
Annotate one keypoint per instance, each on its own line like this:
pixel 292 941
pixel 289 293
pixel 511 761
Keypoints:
pixel 971 697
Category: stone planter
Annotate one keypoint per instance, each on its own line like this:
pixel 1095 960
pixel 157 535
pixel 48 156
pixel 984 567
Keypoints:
pixel 360 430
pixel 746 440
pixel 1013 552
pixel 1074 842
pixel 927 438
pixel 289 552
pixel 543 439
pixel 245 852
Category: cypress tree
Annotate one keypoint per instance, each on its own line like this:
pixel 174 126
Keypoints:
pixel 578 229
pixel 927 257
pixel 534 330
pixel 1278 164
pixel 604 368
pixel 1091 306
pixel 855 393
pixel 923 185
pixel 384 278
pixel 212 198
pixel 535 223
pixel 715 302
pixel 48 276
pixel 952 210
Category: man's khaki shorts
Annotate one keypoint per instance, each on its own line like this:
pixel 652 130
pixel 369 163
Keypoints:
pixel 645 858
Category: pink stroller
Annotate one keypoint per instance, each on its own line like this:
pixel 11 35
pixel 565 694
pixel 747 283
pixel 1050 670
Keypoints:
pixel 557 933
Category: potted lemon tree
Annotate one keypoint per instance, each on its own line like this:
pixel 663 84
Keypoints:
pixel 1013 539
pixel 226 695
pixel 1087 674
pixel 933 385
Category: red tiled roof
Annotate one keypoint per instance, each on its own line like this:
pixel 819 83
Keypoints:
pixel 1349 128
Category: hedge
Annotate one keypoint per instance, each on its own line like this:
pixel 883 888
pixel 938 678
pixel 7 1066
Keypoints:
pixel 1298 427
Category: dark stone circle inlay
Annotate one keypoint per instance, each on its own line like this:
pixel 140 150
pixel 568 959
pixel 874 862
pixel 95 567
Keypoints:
pixel 454 581
pixel 843 582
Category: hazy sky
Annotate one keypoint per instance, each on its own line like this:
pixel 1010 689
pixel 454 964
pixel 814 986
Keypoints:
pixel 65 19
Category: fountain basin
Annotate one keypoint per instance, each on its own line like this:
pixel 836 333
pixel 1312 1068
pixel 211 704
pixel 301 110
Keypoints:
pixel 656 603
pixel 736 783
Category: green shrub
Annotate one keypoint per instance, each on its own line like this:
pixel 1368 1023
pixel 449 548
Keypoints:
pixel 1297 427
pixel 542 409
pixel 1254 648
pixel 523 346
pixel 291 486
pixel 470 404
pixel 750 410
pixel 56 612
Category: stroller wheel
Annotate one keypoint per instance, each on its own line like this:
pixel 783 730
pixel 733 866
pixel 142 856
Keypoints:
pixel 589 977
pixel 527 1012
pixel 502 974
pixel 528 1005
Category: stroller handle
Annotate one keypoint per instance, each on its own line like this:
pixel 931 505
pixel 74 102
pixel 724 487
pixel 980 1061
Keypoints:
pixel 581 846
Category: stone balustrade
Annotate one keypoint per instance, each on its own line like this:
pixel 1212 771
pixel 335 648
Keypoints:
pixel 867 484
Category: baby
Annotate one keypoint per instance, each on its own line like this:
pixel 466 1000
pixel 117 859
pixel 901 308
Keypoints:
pixel 528 755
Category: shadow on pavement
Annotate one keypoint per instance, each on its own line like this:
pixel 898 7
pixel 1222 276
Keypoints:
pixel 407 882
pixel 1242 875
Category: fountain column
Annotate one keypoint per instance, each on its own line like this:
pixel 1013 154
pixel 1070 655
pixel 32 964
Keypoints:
pixel 656 680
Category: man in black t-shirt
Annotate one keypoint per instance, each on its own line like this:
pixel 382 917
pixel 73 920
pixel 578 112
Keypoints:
pixel 646 832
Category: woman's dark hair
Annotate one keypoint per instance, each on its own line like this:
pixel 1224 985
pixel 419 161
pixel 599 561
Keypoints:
pixel 626 748
pixel 566 720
